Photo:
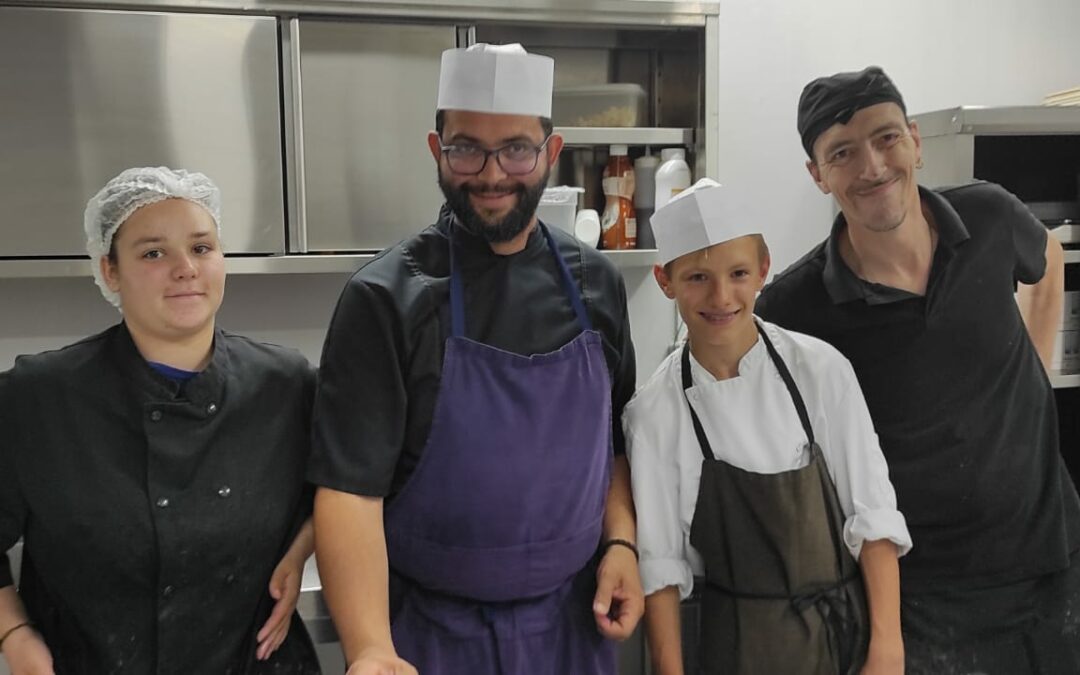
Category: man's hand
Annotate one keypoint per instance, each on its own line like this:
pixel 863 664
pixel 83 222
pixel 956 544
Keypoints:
pixel 884 658
pixel 619 601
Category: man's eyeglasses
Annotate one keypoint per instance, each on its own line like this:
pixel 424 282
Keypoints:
pixel 515 159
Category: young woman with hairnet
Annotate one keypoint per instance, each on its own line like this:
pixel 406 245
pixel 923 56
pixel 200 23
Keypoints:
pixel 155 470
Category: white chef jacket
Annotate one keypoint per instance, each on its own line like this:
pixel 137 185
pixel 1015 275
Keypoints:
pixel 752 424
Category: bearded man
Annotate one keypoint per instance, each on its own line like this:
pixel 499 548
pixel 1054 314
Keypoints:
pixel 473 511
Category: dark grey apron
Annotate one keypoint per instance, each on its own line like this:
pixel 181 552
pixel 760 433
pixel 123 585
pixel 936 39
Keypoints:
pixel 782 594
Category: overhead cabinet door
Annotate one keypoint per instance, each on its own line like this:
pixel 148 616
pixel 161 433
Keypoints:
pixel 368 95
pixel 86 94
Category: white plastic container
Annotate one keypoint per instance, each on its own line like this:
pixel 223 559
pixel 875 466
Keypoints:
pixel 558 207
pixel 587 227
pixel 672 177
pixel 601 105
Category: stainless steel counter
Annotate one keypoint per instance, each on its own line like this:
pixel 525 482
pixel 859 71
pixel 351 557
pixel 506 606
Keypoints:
pixel 313 608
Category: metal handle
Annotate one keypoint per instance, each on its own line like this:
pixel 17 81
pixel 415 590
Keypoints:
pixel 295 179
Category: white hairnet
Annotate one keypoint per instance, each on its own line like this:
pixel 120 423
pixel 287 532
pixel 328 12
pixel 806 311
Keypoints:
pixel 132 189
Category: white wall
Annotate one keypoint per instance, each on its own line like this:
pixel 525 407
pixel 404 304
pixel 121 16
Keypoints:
pixel 940 53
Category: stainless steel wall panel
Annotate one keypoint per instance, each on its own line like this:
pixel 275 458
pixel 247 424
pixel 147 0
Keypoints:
pixel 369 92
pixel 85 94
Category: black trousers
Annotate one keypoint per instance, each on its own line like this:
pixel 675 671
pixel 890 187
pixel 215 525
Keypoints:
pixel 1028 628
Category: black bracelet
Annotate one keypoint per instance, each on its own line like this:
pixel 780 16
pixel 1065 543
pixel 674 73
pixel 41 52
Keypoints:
pixel 620 542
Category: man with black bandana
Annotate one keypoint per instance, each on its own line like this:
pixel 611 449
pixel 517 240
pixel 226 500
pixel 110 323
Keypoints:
pixel 472 381
pixel 916 288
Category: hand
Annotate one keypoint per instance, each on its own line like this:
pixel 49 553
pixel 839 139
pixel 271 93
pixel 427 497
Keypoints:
pixel 884 657
pixel 619 601
pixel 27 654
pixel 375 661
pixel 285 589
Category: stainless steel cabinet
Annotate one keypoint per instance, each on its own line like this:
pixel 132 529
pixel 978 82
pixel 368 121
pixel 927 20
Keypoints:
pixel 87 93
pixel 368 93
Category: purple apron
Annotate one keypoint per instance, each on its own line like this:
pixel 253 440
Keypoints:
pixel 491 538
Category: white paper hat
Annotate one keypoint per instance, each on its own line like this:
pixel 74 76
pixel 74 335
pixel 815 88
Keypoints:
pixel 701 216
pixel 503 79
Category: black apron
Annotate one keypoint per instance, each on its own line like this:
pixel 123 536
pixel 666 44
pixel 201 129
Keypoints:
pixel 1031 627
pixel 782 594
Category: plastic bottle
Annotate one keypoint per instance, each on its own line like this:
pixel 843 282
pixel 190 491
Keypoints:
pixel 619 222
pixel 645 198
pixel 672 177
pixel 587 227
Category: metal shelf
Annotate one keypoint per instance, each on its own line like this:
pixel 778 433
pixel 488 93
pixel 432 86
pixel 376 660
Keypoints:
pixel 44 269
pixel 1059 381
pixel 601 12
pixel 300 264
pixel 288 264
pixel 292 264
pixel 644 257
pixel 626 136
pixel 1026 120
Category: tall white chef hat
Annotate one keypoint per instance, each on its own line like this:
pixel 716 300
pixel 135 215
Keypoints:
pixel 701 216
pixel 131 190
pixel 502 79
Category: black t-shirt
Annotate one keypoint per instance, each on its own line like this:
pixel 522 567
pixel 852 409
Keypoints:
pixel 382 360
pixel 959 398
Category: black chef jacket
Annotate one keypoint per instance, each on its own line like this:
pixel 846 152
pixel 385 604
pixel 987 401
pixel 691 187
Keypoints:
pixel 959 398
pixel 382 360
pixel 154 513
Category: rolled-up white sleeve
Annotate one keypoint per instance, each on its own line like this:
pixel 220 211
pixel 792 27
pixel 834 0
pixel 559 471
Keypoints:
pixel 655 479
pixel 861 474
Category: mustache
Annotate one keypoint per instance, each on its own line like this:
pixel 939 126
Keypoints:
pixel 487 188
pixel 870 185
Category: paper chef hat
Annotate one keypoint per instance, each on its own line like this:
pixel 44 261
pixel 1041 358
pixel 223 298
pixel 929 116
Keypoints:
pixel 502 79
pixel 699 217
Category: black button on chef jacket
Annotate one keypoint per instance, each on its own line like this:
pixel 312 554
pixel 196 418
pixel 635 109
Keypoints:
pixel 961 403
pixel 153 513
pixel 382 360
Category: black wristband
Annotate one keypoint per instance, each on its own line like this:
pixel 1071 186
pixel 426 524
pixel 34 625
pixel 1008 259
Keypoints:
pixel 620 542
pixel 9 631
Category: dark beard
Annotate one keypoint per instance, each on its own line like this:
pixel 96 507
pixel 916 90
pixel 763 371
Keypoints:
pixel 510 226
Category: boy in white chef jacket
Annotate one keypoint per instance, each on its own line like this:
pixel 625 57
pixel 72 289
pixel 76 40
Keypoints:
pixel 755 465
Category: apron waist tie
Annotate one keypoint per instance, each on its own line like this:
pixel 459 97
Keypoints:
pixel 800 601
pixel 831 603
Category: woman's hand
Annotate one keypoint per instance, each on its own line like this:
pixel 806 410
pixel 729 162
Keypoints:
pixel 285 589
pixel 27 654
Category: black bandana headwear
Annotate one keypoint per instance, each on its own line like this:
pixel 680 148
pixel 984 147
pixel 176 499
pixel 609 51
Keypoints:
pixel 833 100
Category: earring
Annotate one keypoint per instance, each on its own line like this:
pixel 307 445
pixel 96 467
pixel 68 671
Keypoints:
pixel 919 164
